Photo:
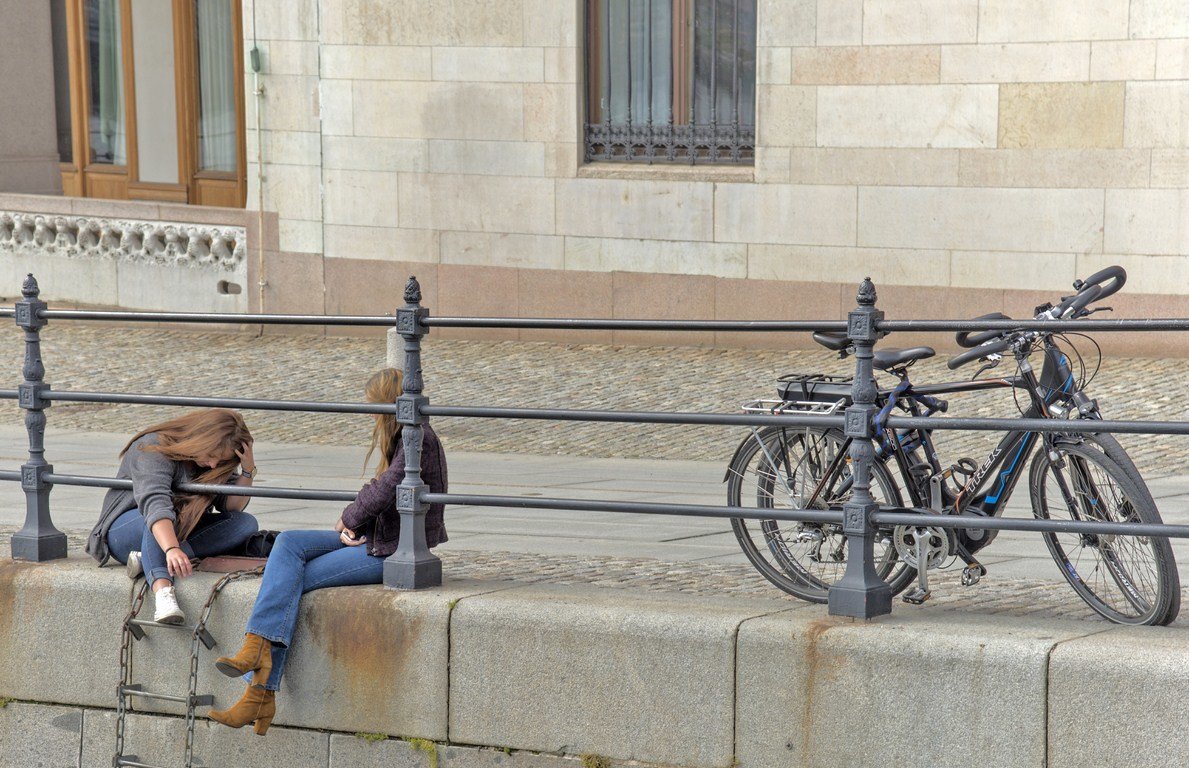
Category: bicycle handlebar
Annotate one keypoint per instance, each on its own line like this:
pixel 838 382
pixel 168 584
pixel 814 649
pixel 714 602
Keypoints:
pixel 1074 304
pixel 989 348
pixel 972 339
pixel 1117 275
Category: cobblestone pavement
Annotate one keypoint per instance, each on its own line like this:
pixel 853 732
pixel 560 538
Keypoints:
pixel 521 374
pixel 1014 597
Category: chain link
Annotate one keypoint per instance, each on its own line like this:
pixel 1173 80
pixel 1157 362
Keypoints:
pixel 195 649
pixel 122 705
pixel 126 667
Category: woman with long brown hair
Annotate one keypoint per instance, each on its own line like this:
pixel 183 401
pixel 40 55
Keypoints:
pixel 353 553
pixel 154 528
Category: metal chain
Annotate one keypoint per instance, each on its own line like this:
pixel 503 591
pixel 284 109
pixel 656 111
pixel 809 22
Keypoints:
pixel 195 640
pixel 126 665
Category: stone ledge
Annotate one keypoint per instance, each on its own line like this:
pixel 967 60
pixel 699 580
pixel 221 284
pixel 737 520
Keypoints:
pixel 566 670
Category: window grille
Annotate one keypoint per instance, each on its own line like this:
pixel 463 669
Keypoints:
pixel 671 81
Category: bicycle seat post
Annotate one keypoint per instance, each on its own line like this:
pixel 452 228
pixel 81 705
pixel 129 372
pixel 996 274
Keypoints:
pixel 860 592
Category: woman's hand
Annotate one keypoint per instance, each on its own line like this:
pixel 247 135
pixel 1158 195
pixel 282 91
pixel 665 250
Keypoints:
pixel 338 526
pixel 246 459
pixel 347 536
pixel 178 563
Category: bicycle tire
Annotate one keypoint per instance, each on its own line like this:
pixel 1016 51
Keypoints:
pixel 783 559
pixel 1125 579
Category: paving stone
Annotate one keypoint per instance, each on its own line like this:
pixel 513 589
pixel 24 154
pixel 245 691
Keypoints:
pixel 36 735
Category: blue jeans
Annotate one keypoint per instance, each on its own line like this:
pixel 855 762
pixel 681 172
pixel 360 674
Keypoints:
pixel 300 562
pixel 214 534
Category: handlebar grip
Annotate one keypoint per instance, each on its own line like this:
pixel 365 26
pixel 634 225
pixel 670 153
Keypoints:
pixel 972 339
pixel 1077 302
pixel 1116 274
pixel 989 348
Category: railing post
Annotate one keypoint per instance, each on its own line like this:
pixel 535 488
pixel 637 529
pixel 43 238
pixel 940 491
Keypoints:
pixel 412 565
pixel 38 540
pixel 861 592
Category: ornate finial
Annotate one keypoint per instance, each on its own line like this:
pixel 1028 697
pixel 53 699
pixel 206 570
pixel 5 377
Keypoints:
pixel 412 291
pixel 29 288
pixel 866 293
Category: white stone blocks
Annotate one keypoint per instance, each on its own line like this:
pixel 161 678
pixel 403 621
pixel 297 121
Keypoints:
pixel 907 116
pixel 1147 221
pixel 1011 63
pixel 376 62
pixel 663 256
pixel 786 22
pixel 900 22
pixel 859 167
pixel 288 57
pixel 367 153
pixel 774 66
pixel 585 676
pixel 366 198
pixel 1024 220
pixel 1122 60
pixel 489 65
pixel 488 158
pixel 416 22
pixel 1014 271
pixel 839 22
pixel 1047 168
pixel 859 679
pixel 282 20
pixel 784 213
pixel 1170 167
pixel 561 65
pixel 785 115
pixel 1018 21
pixel 488 111
pixel 37 734
pixel 551 112
pixel 1157 114
pixel 1061 115
pixel 336 107
pixel 550 23
pixel 814 263
pixel 287 147
pixel 477 203
pixel 300 235
pixel 503 250
pixel 1145 274
pixel 660 210
pixel 866 65
pixel 1172 59
pixel 293 190
pixel 290 103
pixel 1159 18
pixel 381 243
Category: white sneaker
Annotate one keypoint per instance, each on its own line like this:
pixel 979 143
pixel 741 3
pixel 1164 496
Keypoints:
pixel 135 568
pixel 167 610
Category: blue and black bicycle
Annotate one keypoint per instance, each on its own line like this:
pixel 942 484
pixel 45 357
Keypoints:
pixel 1071 476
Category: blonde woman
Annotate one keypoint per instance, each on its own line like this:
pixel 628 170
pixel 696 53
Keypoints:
pixel 157 530
pixel 353 553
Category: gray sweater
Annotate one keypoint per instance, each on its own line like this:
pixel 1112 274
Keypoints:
pixel 153 476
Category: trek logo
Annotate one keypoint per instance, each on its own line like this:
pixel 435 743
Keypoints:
pixel 981 472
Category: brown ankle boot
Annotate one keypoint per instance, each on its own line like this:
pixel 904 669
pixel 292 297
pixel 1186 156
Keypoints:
pixel 255 656
pixel 257 705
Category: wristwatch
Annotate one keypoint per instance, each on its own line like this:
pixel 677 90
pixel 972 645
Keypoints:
pixel 248 474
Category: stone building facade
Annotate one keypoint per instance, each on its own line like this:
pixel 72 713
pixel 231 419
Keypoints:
pixel 968 155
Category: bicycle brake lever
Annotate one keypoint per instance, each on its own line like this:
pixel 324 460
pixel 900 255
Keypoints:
pixel 994 361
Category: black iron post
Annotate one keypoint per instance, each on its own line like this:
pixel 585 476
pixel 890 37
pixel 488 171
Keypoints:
pixel 412 565
pixel 38 540
pixel 861 592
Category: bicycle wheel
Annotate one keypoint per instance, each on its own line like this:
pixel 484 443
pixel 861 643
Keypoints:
pixel 1126 579
pixel 779 469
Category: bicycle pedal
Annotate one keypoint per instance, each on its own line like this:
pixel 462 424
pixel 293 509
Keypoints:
pixel 973 574
pixel 916 596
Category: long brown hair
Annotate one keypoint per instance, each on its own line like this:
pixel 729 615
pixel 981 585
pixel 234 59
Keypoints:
pixel 198 436
pixel 383 387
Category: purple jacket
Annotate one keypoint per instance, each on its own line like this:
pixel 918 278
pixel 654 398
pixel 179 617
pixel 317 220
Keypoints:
pixel 373 513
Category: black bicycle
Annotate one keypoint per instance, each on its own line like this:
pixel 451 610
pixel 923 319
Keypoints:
pixel 1073 476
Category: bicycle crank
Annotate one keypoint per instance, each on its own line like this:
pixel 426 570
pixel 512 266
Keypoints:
pixel 924 548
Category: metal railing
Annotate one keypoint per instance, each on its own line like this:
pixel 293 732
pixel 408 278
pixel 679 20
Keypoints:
pixel 860 592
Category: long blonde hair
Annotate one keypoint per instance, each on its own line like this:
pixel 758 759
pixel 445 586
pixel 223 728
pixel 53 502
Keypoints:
pixel 198 436
pixel 384 387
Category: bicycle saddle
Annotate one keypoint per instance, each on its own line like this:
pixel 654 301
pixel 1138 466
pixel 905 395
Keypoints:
pixel 835 340
pixel 893 358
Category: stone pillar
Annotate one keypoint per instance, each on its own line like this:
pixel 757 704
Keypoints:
pixel 28 123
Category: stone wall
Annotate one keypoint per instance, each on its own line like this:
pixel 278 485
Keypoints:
pixel 521 675
pixel 944 148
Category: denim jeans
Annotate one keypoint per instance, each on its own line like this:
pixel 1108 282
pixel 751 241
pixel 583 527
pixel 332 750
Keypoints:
pixel 214 534
pixel 300 562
